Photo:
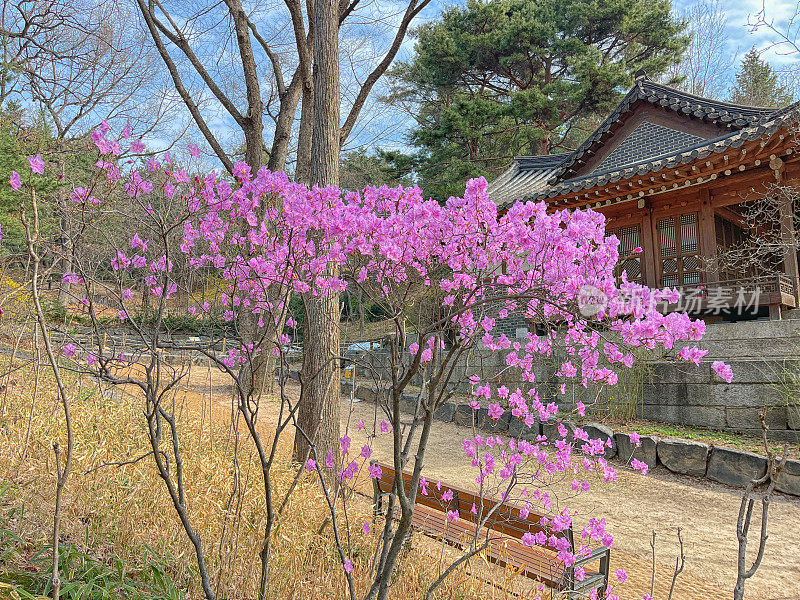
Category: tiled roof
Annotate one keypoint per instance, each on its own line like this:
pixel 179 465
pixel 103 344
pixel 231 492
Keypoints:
pixel 539 177
pixel 647 140
pixel 735 139
pixel 527 175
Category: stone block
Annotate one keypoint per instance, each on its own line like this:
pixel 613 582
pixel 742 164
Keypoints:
pixel 645 452
pixel 367 393
pixel 683 456
pixel 738 418
pixel 699 416
pixel 735 467
pixel 463 415
pixel 517 429
pixel 793 416
pixel 408 403
pixel 550 429
pixel 603 432
pixel 788 480
pixel 445 412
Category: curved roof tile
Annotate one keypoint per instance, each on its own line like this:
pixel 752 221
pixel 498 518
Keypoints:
pixel 541 177
pixel 732 140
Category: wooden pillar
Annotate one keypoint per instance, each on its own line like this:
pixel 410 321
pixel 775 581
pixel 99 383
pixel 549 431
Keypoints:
pixel 649 249
pixel 774 312
pixel 789 239
pixel 707 233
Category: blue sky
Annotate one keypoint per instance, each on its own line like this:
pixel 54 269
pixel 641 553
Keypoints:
pixel 741 38
pixel 386 128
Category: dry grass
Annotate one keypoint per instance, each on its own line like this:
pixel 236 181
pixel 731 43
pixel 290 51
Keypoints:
pixel 120 510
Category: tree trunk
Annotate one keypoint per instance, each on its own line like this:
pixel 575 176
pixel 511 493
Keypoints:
pixel 318 414
pixel 283 124
pixel 303 170
pixel 326 131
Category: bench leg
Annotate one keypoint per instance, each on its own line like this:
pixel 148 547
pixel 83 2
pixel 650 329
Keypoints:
pixel 604 568
pixel 377 500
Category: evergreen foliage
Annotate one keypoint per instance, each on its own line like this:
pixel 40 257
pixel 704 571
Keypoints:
pixel 494 79
pixel 757 84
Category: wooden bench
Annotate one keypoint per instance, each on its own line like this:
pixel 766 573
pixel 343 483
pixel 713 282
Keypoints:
pixel 504 530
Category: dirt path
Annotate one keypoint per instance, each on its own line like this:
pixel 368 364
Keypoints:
pixel 633 507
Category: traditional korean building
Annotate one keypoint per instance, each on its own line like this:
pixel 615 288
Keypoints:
pixel 671 172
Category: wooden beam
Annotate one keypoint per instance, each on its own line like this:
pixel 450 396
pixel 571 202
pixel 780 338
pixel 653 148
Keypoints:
pixel 732 216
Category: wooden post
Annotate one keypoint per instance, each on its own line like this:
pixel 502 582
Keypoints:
pixel 789 241
pixel 707 233
pixel 649 250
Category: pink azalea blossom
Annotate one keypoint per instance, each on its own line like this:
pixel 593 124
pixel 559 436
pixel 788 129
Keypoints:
pixel 722 370
pixel 495 411
pixel 375 471
pixel 15 180
pixel 37 164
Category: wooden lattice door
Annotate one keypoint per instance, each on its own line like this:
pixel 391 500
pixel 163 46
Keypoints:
pixel 679 246
pixel 630 262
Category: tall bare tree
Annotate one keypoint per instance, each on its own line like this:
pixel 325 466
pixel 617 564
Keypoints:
pixel 97 67
pixel 187 38
pixel 29 30
pixel 186 31
pixel 319 402
pixel 708 59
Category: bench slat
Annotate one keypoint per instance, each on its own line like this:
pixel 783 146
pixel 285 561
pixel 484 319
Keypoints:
pixel 506 528
pixel 503 551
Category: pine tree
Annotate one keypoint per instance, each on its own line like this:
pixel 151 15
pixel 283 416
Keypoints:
pixel 757 84
pixel 497 78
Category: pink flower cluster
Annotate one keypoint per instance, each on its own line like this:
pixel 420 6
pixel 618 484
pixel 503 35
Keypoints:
pixel 263 232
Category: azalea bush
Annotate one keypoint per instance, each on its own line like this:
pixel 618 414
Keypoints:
pixel 446 276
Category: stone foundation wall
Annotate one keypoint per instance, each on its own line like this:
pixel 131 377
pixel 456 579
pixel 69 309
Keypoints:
pixel 721 464
pixel 765 358
pixel 764 355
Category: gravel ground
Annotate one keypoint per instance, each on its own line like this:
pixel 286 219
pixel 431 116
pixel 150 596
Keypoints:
pixel 634 506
